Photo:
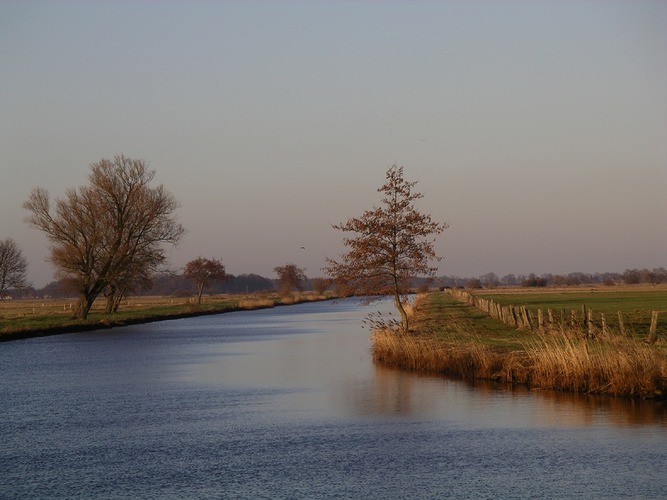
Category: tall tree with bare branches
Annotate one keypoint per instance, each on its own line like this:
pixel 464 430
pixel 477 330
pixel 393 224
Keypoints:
pixel 389 245
pixel 109 230
pixel 13 266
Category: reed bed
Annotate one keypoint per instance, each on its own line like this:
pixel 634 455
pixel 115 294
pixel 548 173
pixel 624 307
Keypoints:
pixel 256 302
pixel 614 365
pixel 467 359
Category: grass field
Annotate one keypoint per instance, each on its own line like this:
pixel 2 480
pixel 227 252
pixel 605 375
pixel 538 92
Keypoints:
pixel 635 303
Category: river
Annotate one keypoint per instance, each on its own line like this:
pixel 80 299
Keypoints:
pixel 287 403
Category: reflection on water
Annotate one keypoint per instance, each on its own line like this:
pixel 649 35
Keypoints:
pixel 394 392
pixel 286 403
pixel 389 392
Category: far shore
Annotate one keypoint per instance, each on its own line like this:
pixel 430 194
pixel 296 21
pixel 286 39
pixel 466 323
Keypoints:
pixel 41 318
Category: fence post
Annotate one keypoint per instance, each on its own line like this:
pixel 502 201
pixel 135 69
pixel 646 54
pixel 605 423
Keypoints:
pixel 540 319
pixel 562 321
pixel 653 331
pixel 515 318
pixel 621 323
pixel 526 318
pixel 590 323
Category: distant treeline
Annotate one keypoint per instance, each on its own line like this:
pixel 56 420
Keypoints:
pixel 179 285
pixel 491 280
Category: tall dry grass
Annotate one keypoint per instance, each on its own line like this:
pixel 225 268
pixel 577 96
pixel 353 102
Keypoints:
pixel 614 365
pixel 419 353
pixel 256 302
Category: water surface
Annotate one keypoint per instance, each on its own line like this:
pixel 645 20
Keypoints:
pixel 286 403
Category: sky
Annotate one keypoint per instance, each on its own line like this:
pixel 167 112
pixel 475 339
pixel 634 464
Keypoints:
pixel 536 130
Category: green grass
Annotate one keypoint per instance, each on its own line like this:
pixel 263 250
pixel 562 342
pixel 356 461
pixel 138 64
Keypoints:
pixel 607 302
pixel 635 305
pixel 447 320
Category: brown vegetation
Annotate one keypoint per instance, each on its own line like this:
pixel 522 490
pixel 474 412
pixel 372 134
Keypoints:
pixel 613 365
pixel 390 245
pixel 108 236
pixel 202 272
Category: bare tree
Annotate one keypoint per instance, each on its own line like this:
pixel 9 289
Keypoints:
pixel 204 272
pixel 290 276
pixel 114 227
pixel 13 266
pixel 320 285
pixel 137 276
pixel 390 244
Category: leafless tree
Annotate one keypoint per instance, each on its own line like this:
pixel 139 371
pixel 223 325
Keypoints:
pixel 13 266
pixel 320 285
pixel 203 272
pixel 290 276
pixel 108 230
pixel 134 277
pixel 390 244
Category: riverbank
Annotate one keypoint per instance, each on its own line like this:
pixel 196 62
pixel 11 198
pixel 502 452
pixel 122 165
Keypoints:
pixel 456 339
pixel 27 319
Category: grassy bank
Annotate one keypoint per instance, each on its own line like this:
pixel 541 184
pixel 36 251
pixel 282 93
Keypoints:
pixel 457 339
pixel 33 318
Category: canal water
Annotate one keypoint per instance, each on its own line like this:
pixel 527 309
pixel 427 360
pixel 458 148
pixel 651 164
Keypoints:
pixel 286 403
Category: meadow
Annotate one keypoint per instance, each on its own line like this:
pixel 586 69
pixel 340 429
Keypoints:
pixel 36 317
pixel 457 338
pixel 631 307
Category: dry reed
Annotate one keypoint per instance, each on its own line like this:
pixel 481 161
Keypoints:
pixel 564 360
pixel 256 302
pixel 613 366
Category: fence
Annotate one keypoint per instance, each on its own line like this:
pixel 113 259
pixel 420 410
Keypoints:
pixel 585 321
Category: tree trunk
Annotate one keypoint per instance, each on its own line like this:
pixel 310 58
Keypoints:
pixel 401 309
pixel 110 295
pixel 200 291
pixel 117 300
pixel 397 300
pixel 108 310
pixel 83 306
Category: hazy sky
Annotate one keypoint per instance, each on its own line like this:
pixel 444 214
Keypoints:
pixel 537 130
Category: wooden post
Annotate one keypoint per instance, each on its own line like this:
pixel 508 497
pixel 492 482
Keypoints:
pixel 584 314
pixel 653 331
pixel 604 324
pixel 562 321
pixel 589 321
pixel 515 317
pixel 526 318
pixel 621 323
pixel 540 319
